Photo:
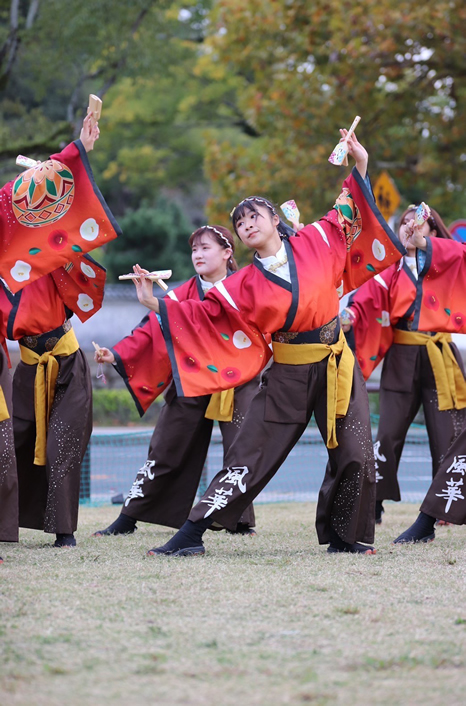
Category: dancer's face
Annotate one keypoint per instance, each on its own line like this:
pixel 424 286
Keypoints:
pixel 258 230
pixel 210 258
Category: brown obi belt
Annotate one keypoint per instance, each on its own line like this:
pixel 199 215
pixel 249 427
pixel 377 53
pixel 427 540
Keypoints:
pixel 46 342
pixel 326 334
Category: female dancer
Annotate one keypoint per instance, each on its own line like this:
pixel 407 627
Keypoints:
pixel 290 292
pixel 420 367
pixel 52 396
pixel 443 308
pixel 165 487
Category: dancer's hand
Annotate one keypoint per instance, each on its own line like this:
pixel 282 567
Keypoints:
pixel 411 236
pixel 90 132
pixel 357 151
pixel 347 319
pixel 104 355
pixel 144 289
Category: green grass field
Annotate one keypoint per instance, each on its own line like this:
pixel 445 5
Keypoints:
pixel 268 620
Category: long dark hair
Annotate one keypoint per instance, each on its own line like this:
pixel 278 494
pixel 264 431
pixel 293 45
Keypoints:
pixel 222 236
pixel 250 204
pixel 434 221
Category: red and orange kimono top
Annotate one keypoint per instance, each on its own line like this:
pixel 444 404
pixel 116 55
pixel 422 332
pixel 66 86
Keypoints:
pixel 211 345
pixel 443 308
pixel 50 217
pixel 421 365
pixel 165 487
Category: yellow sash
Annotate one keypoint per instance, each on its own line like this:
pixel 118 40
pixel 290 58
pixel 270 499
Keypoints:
pixel 221 406
pixel 4 414
pixel 449 379
pixel 44 386
pixel 339 378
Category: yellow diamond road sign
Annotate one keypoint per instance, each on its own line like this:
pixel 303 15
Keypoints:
pixel 386 195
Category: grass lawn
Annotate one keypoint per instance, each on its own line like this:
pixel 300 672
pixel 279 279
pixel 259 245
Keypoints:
pixel 268 620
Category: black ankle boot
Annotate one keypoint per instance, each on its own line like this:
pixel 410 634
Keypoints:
pixel 420 531
pixel 124 524
pixel 186 542
pixel 65 540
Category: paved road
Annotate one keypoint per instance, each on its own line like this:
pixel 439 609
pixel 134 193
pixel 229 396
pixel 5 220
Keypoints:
pixel 116 457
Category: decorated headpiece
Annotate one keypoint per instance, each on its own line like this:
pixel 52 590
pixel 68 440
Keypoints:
pixel 254 199
pixel 216 230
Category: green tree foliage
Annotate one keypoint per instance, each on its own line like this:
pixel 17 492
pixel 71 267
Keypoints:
pixel 304 69
pixel 156 238
pixel 136 54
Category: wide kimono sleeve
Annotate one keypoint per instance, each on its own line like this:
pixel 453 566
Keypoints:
pixel 50 215
pixel 143 362
pixel 441 295
pixel 373 332
pixel 80 285
pixel 371 245
pixel 215 344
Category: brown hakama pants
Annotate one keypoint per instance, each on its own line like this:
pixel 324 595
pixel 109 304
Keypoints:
pixel 49 495
pixel 446 497
pixel 8 477
pixel 165 488
pixel 408 382
pixel 276 419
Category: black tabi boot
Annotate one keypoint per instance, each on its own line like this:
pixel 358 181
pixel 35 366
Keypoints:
pixel 338 546
pixel 421 531
pixel 124 524
pixel 64 540
pixel 186 542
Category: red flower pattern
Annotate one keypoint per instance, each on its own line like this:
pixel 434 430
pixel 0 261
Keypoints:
pixel 231 374
pixel 58 239
pixel 431 300
pixel 190 364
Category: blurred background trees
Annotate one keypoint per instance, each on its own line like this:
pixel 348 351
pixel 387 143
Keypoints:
pixel 206 101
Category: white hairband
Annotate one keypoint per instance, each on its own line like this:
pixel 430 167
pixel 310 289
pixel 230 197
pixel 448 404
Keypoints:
pixel 229 245
pixel 253 199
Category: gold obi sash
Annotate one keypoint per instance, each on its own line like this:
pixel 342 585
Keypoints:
pixel 4 414
pixel 44 386
pixel 339 378
pixel 221 406
pixel 449 379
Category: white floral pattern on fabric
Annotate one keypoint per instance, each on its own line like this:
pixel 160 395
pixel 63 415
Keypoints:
pixel 85 302
pixel 89 229
pixel 378 250
pixel 240 340
pixel 87 270
pixel 21 271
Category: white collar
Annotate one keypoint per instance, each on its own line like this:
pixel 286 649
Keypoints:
pixel 208 285
pixel 272 259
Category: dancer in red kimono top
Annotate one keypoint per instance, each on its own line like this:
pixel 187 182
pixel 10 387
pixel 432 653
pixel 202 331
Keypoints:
pixel 165 487
pixel 442 297
pixel 290 291
pixel 50 217
pixel 420 367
